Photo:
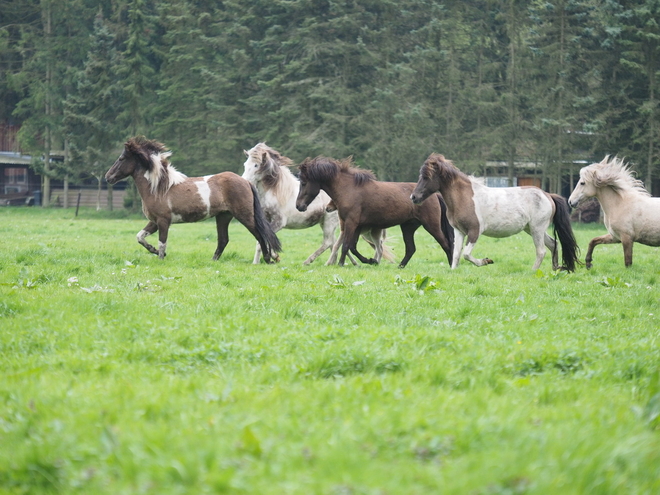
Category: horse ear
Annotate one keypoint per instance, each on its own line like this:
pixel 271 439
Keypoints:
pixel 246 153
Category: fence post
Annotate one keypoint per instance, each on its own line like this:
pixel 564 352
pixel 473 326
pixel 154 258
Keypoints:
pixel 78 202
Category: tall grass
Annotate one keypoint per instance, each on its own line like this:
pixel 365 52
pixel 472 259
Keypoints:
pixel 121 373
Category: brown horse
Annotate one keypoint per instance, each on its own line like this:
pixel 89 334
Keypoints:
pixel 168 196
pixel 365 203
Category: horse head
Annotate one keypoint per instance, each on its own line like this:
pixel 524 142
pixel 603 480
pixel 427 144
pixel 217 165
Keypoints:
pixel 430 176
pixel 309 185
pixel 263 165
pixel 610 172
pixel 137 152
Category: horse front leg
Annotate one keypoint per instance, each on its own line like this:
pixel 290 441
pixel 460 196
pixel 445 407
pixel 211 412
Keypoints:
pixel 328 223
pixel 335 250
pixel 163 229
pixel 467 252
pixel 148 230
pixel 354 250
pixel 603 239
pixel 459 238
pixel 627 250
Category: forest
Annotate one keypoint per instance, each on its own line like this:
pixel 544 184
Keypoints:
pixel 553 82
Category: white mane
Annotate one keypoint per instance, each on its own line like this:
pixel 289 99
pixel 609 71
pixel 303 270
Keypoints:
pixel 163 170
pixel 614 173
pixel 279 181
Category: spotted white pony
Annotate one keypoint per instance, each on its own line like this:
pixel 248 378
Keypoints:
pixel 630 213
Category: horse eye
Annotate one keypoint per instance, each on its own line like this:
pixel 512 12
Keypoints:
pixel 582 183
pixel 256 165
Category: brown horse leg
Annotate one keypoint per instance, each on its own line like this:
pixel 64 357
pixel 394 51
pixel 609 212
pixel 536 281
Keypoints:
pixel 408 232
pixel 435 230
pixel 627 250
pixel 603 239
pixel 163 229
pixel 351 236
pixel 148 230
pixel 222 221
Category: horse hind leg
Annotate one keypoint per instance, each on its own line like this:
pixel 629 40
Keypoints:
pixel 551 244
pixel 408 233
pixel 222 224
pixel 150 228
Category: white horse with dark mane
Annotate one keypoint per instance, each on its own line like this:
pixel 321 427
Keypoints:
pixel 277 187
pixel 631 214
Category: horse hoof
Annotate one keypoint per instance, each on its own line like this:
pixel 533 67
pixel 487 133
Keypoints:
pixel 488 261
pixel 588 265
pixel 372 261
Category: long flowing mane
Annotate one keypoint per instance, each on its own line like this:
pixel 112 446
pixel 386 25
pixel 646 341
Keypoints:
pixel 614 173
pixel 323 169
pixel 445 169
pixel 271 163
pixel 153 155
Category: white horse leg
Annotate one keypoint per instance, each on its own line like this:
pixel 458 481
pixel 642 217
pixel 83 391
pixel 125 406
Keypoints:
pixel 141 237
pixel 377 239
pixel 467 254
pixel 257 255
pixel 539 243
pixel 459 238
pixel 551 244
pixel 328 223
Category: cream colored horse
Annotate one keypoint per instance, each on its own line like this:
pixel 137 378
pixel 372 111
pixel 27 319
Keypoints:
pixel 631 214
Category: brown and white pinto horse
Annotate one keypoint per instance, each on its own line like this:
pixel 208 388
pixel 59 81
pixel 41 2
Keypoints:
pixel 168 197
pixel 475 209
pixel 365 203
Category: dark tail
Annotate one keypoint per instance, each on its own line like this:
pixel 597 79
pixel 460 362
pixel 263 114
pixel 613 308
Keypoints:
pixel 446 227
pixel 562 227
pixel 269 241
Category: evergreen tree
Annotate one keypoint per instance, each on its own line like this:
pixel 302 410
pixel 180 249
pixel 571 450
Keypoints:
pixel 90 116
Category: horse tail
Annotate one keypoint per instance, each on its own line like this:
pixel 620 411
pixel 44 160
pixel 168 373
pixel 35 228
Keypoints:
pixel 446 227
pixel 265 231
pixel 562 228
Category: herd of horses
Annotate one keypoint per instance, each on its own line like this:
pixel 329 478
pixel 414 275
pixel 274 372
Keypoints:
pixel 455 208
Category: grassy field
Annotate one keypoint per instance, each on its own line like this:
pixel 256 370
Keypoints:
pixel 123 374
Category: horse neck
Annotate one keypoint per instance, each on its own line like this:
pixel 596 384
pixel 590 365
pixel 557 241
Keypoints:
pixel 608 198
pixel 340 182
pixel 286 187
pixel 455 190
pixel 143 185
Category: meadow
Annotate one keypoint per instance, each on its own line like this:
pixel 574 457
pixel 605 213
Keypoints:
pixel 124 374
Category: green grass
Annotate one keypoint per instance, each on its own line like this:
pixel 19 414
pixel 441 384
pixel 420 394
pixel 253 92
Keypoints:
pixel 121 373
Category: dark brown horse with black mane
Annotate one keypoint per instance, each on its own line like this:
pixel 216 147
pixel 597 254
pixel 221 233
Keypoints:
pixel 168 197
pixel 366 203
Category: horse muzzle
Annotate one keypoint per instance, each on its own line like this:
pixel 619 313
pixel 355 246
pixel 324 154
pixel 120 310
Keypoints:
pixel 110 179
pixel 301 207
pixel 416 198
